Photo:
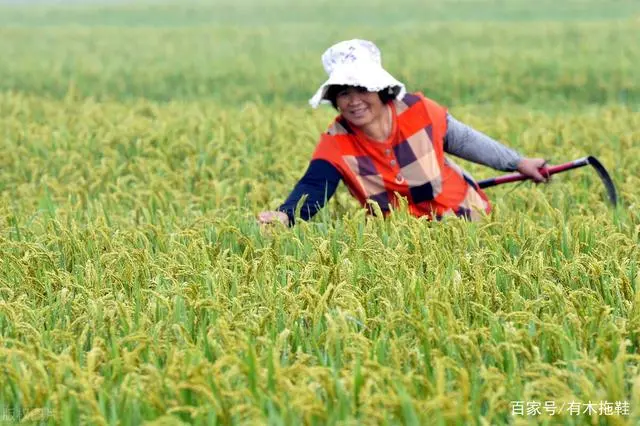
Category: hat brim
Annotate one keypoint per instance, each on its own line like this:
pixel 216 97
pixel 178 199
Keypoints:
pixel 373 78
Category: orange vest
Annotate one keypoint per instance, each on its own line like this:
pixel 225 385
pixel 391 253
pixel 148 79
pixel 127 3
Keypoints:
pixel 411 163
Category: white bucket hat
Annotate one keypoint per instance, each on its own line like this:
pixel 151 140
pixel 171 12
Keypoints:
pixel 355 63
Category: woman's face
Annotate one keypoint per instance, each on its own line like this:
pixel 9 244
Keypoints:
pixel 359 106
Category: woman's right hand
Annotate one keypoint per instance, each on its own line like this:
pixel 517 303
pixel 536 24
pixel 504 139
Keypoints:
pixel 269 217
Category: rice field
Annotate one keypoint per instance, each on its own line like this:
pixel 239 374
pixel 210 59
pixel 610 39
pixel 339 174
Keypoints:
pixel 139 141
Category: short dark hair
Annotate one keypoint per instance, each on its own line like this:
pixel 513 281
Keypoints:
pixel 386 95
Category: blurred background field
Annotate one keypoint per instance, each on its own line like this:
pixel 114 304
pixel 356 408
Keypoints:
pixel 460 52
pixel 140 139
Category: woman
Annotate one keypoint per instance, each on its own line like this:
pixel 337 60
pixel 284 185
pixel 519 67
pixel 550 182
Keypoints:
pixel 387 142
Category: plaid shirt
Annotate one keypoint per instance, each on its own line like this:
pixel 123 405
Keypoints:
pixel 411 163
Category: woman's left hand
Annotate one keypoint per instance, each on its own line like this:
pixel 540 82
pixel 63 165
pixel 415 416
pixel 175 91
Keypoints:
pixel 530 167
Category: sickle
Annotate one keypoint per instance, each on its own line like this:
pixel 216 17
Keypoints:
pixel 548 171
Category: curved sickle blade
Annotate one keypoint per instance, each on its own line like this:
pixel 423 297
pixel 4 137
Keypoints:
pixel 606 179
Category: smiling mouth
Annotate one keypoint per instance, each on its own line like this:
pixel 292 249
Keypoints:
pixel 359 111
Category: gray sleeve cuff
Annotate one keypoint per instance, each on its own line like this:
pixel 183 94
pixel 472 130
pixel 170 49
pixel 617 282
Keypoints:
pixel 472 145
